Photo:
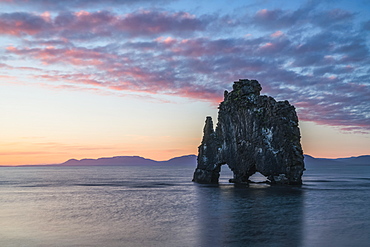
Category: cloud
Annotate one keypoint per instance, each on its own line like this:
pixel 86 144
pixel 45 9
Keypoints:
pixel 279 19
pixel 366 25
pixel 84 25
pixel 73 4
pixel 277 34
pixel 21 23
pixel 301 55
pixel 332 17
pixel 144 23
pixel 79 56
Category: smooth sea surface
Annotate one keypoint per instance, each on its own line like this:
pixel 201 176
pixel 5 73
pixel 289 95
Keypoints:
pixel 160 206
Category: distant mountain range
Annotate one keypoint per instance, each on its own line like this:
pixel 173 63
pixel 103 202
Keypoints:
pixel 131 161
pixel 359 160
pixel 191 160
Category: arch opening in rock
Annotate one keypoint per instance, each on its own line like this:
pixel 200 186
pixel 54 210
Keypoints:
pixel 226 174
pixel 258 178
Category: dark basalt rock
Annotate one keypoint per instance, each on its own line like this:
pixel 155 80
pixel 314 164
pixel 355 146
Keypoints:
pixel 254 133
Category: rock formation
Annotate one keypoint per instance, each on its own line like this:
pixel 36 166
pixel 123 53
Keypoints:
pixel 254 133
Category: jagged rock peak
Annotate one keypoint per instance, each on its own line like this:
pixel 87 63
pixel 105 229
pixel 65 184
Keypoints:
pixel 254 133
pixel 245 87
pixel 208 127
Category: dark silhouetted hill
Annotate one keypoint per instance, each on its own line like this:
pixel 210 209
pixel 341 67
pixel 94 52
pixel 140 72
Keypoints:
pixel 360 160
pixel 191 160
pixel 131 161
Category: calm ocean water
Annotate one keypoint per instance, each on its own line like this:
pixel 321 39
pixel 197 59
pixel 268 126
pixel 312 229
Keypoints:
pixel 160 206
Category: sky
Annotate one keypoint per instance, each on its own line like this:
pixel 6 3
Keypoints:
pixel 89 79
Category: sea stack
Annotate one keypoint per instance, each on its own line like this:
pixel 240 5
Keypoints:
pixel 254 133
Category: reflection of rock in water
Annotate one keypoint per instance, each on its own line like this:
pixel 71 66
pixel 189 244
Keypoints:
pixel 269 216
pixel 254 133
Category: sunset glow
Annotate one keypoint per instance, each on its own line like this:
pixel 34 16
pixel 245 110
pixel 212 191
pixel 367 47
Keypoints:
pixel 89 79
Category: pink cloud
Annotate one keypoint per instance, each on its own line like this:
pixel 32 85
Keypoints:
pixel 281 19
pixel 137 80
pixel 18 24
pixel 74 56
pixel 274 46
pixel 153 22
pixel 84 24
pixel 72 78
pixel 268 46
pixel 201 93
pixel 73 4
pixel 277 34
pixel 198 47
pixel 264 13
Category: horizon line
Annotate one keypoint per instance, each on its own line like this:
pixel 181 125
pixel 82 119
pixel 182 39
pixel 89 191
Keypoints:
pixel 138 156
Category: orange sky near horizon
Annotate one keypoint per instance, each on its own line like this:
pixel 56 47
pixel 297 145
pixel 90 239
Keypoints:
pixel 84 125
pixel 33 150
